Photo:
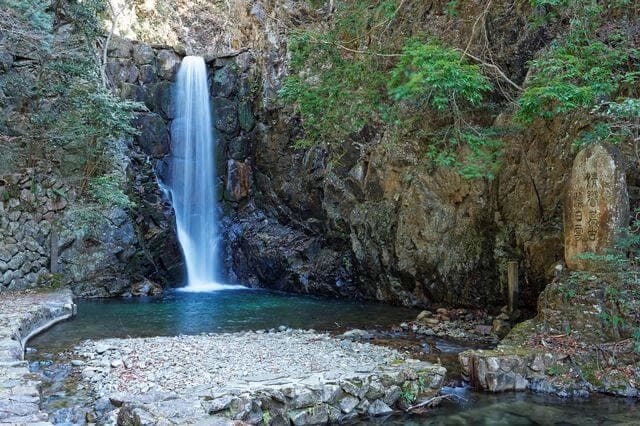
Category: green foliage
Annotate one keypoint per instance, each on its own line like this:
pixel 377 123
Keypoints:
pixel 73 119
pixel 336 95
pixel 621 266
pixel 580 71
pixel 346 77
pixel 572 74
pixel 587 72
pixel 82 116
pixel 557 370
pixel 411 390
pixel 86 16
pixel 452 8
pixel 107 190
pixel 618 122
pixel 33 12
pixel 266 417
pixel 429 73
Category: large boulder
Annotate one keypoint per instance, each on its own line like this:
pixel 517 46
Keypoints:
pixel 119 47
pixel 148 74
pixel 143 54
pixel 225 81
pixel 168 64
pixel 163 103
pixel 239 147
pixel 94 255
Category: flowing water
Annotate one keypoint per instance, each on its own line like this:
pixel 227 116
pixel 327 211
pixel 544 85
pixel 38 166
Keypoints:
pixel 236 310
pixel 193 180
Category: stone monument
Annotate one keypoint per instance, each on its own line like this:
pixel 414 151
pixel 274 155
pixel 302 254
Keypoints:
pixel 596 204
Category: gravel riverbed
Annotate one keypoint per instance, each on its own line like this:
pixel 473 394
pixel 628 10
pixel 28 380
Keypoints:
pixel 240 375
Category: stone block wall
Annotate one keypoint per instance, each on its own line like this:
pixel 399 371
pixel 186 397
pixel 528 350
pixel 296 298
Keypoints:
pixel 29 204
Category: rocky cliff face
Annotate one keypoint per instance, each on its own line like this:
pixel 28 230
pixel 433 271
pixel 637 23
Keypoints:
pixel 376 223
pixel 51 233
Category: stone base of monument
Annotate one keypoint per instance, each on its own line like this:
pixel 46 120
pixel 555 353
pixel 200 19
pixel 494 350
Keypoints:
pixel 572 348
pixel 289 377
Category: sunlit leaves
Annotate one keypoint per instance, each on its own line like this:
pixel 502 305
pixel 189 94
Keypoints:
pixel 436 75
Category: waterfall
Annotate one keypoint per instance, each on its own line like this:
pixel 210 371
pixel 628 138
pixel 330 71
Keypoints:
pixel 193 179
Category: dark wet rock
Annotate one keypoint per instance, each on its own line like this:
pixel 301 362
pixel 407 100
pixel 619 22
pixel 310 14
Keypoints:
pixel 225 81
pixel 153 136
pixel 163 99
pixel 238 180
pixel 225 115
pixel 148 74
pixel 239 147
pixel 143 54
pixel 269 254
pixel 245 116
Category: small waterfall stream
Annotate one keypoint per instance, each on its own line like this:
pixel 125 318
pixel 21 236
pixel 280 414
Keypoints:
pixel 193 180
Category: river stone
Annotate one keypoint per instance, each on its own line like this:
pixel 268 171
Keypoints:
pixel 596 204
pixel 348 403
pixel 379 408
pixel 145 287
pixel 220 403
pixel 314 416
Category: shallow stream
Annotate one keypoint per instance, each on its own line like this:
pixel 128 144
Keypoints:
pixel 237 310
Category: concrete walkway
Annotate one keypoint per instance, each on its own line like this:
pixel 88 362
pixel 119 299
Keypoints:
pixel 22 315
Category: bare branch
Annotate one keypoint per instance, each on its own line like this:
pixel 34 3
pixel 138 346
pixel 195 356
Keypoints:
pixel 492 66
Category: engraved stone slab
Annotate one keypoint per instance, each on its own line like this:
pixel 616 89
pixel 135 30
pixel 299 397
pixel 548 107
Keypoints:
pixel 596 204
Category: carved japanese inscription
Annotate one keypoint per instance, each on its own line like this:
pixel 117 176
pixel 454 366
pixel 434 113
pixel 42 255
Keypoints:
pixel 596 204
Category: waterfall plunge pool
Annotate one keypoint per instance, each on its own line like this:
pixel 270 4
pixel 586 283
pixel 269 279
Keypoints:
pixel 231 310
pixel 247 309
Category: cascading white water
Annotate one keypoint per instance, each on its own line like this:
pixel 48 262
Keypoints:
pixel 193 179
